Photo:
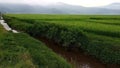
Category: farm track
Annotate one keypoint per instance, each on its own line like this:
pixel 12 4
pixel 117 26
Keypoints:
pixel 77 58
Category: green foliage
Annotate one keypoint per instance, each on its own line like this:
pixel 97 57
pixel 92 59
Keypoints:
pixel 12 54
pixel 64 35
pixel 40 54
pixel 98 35
pixel 104 51
pixel 22 51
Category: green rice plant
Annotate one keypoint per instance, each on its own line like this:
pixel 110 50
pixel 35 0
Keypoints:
pixel 22 51
pixel 98 35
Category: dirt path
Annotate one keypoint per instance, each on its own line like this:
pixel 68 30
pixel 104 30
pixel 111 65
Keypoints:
pixel 79 59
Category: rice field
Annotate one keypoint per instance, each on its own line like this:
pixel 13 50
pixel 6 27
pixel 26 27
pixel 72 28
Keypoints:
pixel 98 35
pixel 19 50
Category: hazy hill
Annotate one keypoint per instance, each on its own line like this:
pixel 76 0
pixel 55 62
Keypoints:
pixel 113 6
pixel 60 8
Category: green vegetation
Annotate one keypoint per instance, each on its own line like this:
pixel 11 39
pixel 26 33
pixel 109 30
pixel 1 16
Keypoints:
pixel 98 35
pixel 22 51
pixel 66 36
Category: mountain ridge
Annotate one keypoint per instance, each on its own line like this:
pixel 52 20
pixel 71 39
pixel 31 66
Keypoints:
pixel 59 8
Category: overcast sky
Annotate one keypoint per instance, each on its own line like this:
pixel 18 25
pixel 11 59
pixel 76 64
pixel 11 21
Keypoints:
pixel 86 3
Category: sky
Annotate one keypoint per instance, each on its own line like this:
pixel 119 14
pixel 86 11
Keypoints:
pixel 86 3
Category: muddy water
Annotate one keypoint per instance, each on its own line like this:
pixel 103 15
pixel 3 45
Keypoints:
pixel 77 58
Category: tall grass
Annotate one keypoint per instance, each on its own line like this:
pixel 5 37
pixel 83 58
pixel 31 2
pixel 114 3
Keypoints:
pixel 98 39
pixel 22 51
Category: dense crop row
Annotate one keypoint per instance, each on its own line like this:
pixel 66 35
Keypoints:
pixel 105 48
pixel 109 22
pixel 67 36
pixel 102 29
pixel 106 25
pixel 22 51
pixel 72 17
pixel 98 39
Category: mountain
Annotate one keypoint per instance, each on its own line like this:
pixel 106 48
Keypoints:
pixel 15 8
pixel 59 8
pixel 113 6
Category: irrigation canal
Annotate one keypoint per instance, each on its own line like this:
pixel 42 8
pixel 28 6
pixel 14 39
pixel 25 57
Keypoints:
pixel 77 58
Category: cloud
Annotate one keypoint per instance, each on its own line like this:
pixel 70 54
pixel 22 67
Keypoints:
pixel 87 3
